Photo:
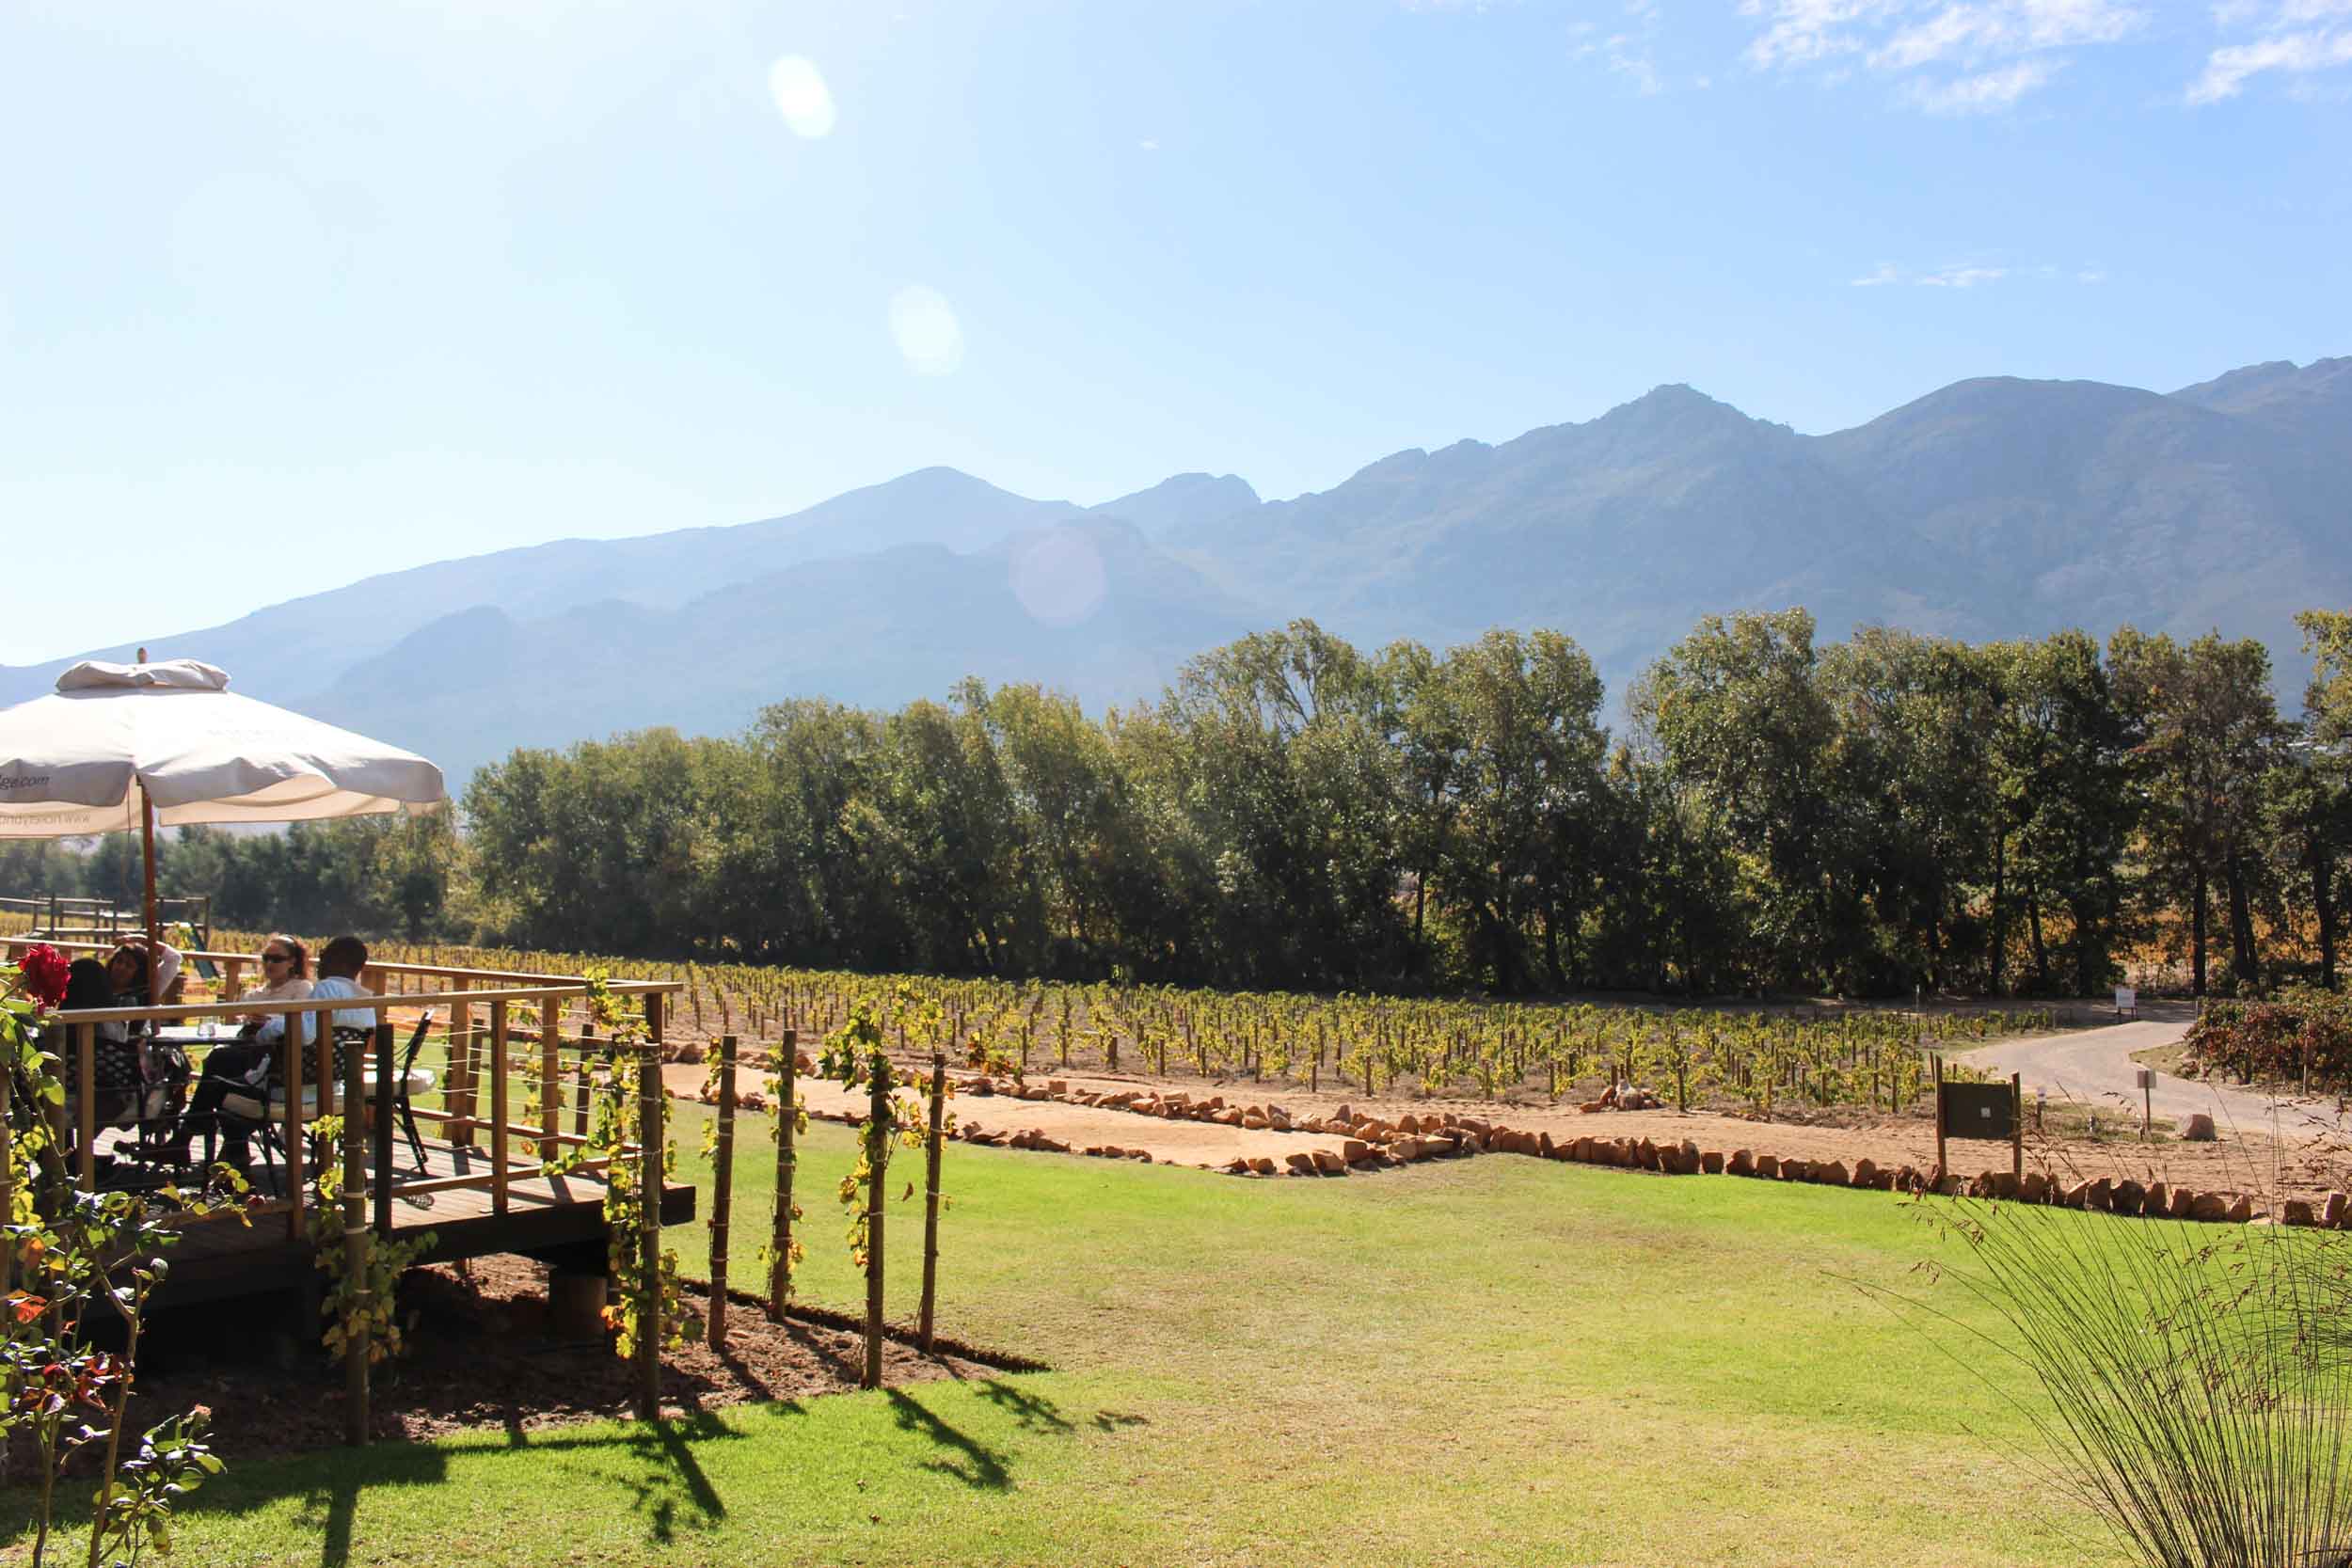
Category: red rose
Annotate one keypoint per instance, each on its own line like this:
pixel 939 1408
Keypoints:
pixel 44 970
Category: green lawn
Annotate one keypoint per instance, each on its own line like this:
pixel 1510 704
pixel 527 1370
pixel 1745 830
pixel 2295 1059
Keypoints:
pixel 1493 1361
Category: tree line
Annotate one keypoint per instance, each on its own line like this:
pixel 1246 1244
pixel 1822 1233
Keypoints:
pixel 1858 817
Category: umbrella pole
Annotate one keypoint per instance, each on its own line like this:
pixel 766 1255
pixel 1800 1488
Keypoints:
pixel 146 842
pixel 147 836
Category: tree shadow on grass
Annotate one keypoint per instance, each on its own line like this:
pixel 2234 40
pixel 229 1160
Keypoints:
pixel 968 1460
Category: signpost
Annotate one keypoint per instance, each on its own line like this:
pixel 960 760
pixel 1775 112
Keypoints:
pixel 2147 1100
pixel 1992 1111
pixel 2126 1002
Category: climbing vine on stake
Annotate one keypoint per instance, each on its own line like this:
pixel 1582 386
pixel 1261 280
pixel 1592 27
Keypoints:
pixel 641 1287
pixel 855 1057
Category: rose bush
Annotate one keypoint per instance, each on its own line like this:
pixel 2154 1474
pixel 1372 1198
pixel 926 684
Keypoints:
pixel 42 976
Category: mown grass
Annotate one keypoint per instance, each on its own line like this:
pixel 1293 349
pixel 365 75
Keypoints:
pixel 1492 1361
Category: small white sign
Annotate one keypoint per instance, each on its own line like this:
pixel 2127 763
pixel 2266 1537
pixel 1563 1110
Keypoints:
pixel 2126 999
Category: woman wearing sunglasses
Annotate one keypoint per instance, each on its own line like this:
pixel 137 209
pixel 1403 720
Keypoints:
pixel 246 1061
pixel 285 977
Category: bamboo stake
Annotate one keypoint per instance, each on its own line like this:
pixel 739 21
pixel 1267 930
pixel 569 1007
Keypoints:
pixel 722 1192
pixel 930 1194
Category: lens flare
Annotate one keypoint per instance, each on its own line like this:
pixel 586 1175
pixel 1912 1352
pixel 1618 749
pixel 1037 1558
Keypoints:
pixel 801 97
pixel 925 330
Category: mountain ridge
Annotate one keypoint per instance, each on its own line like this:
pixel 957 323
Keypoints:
pixel 1996 506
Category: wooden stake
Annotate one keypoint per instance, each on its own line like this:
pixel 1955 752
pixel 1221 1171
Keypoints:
pixel 930 1196
pixel 650 1145
pixel 1940 1166
pixel 2017 1125
pixel 787 1124
pixel 876 1169
pixel 722 1192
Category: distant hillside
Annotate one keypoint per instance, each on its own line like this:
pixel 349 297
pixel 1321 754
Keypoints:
pixel 1991 507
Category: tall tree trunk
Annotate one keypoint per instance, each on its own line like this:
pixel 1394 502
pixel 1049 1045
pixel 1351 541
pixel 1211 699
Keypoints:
pixel 1551 948
pixel 2244 962
pixel 2322 864
pixel 2033 923
pixel 2197 934
pixel 2000 905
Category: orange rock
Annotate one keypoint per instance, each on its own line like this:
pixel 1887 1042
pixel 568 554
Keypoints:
pixel 1262 1165
pixel 1711 1162
pixel 1303 1163
pixel 1742 1162
pixel 2332 1215
pixel 1329 1163
pixel 1833 1174
pixel 1355 1150
pixel 1767 1167
pixel 2296 1212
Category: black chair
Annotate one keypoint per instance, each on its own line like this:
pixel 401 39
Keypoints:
pixel 261 1120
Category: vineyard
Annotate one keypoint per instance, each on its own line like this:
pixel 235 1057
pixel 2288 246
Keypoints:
pixel 1754 1062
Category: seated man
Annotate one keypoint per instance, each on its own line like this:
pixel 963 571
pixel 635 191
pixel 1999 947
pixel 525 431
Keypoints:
pixel 249 1065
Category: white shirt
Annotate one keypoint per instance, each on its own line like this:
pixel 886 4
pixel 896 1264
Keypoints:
pixel 336 987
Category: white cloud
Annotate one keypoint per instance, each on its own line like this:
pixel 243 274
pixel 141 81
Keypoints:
pixel 1953 56
pixel 1961 278
pixel 1987 92
pixel 801 97
pixel 924 327
pixel 1969 275
pixel 2295 37
pixel 1629 52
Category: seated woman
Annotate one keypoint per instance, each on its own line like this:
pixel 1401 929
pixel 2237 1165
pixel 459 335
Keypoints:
pixel 160 1070
pixel 89 984
pixel 249 1063
pixel 285 977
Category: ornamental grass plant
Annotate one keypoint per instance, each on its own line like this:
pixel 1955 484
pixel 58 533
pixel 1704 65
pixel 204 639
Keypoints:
pixel 2193 1382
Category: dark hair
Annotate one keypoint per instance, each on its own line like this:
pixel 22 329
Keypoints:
pixel 301 953
pixel 88 986
pixel 345 953
pixel 138 962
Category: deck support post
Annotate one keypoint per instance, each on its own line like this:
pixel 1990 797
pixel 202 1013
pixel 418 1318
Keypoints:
pixel 381 1115
pixel 355 1250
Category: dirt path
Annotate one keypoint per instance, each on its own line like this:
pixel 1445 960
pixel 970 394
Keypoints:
pixel 2095 1065
pixel 2235 1163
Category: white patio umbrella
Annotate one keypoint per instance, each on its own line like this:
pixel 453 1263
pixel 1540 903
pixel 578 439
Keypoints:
pixel 122 747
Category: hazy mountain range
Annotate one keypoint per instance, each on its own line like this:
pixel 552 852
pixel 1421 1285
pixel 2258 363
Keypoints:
pixel 1991 507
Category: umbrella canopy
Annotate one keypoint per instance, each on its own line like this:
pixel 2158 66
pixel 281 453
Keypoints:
pixel 114 739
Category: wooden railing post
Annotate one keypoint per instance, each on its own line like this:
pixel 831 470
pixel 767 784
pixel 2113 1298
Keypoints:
pixel 551 1074
pixel 580 1084
pixel 86 1076
pixel 354 1241
pixel 650 1146
pixel 938 1142
pixel 459 1101
pixel 722 1192
pixel 380 1115
pixel 498 1106
pixel 291 1043
pixel 787 1124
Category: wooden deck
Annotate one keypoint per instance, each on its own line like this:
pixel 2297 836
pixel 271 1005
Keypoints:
pixel 558 1218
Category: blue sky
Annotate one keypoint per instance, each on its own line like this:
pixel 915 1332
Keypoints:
pixel 292 292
